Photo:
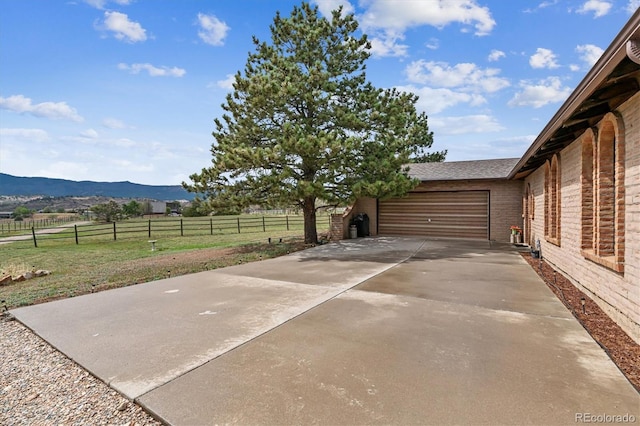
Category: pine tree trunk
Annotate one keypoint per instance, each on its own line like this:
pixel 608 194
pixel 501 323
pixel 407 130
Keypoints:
pixel 310 231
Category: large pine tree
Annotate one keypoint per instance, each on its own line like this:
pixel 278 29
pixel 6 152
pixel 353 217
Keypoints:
pixel 303 124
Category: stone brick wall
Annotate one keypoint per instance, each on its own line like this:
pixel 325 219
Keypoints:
pixel 617 293
pixel 340 222
pixel 336 228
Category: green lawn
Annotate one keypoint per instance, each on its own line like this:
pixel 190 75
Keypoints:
pixel 98 262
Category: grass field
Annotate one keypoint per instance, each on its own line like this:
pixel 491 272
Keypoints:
pixel 98 262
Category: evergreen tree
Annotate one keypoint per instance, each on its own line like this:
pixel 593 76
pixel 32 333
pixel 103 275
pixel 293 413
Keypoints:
pixel 107 212
pixel 132 209
pixel 303 124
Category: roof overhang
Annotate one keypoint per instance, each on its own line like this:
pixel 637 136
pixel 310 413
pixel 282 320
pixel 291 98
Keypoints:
pixel 612 81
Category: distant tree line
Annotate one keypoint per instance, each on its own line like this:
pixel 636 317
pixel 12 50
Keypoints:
pixel 112 211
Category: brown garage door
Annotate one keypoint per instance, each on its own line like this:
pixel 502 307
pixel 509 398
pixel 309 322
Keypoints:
pixel 462 214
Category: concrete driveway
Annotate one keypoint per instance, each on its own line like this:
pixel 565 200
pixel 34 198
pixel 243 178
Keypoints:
pixel 367 331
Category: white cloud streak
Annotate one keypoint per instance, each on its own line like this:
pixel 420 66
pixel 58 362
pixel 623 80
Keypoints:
pixel 52 110
pixel 599 8
pixel 632 6
pixel 113 123
pixel 589 53
pixel 433 101
pixel 480 123
pixel 495 55
pixel 537 95
pixel 467 76
pixel 326 7
pixel 24 135
pixel 385 21
pixel 227 83
pixel 387 45
pixel 122 28
pixel 89 134
pixel 543 58
pixel 212 30
pixel 100 4
pixel 152 70
pixel 387 14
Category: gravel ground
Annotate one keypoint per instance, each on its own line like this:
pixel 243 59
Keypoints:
pixel 40 386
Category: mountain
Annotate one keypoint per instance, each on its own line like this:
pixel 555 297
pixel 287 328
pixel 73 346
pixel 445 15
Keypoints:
pixel 14 185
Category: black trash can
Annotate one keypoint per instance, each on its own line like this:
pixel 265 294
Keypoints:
pixel 361 221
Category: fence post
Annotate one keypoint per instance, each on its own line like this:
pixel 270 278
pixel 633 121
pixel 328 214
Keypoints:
pixel 238 225
pixel 287 217
pixel 33 232
pixel 181 228
pixel 211 225
pixel 75 228
pixel 264 229
pixel 149 228
pixel 114 231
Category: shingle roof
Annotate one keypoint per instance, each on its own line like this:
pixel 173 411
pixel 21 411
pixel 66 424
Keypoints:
pixel 463 170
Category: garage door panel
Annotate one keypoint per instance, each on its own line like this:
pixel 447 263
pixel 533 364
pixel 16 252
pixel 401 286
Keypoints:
pixel 439 214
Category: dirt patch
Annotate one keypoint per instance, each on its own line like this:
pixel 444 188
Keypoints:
pixel 621 348
pixel 168 265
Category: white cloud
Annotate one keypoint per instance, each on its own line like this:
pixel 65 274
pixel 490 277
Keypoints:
pixel 433 101
pixel 100 4
pixel 67 170
pixel 632 6
pixel 113 123
pixel 387 45
pixel 24 135
pixel 543 58
pixel 131 166
pixel 467 76
pixel 589 53
pixel 549 90
pixel 542 5
pixel 123 143
pixel 598 7
pixel 212 30
pixel 327 6
pixel 152 70
pixel 123 28
pixel 53 110
pixel 89 134
pixel 227 83
pixel 433 43
pixel 495 55
pixel 480 123
pixel 389 15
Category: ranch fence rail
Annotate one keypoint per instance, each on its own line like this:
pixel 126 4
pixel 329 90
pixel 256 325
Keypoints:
pixel 169 227
pixel 10 225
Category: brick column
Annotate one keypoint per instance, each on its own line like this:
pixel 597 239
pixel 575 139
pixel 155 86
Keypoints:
pixel 336 231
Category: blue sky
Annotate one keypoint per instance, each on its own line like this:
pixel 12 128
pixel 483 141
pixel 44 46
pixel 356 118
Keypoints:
pixel 114 90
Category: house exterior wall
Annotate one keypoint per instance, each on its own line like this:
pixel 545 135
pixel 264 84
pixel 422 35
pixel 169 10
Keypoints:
pixel 339 225
pixel 505 201
pixel 617 293
pixel 369 207
pixel 505 205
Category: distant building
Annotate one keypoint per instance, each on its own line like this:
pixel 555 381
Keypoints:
pixel 158 207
